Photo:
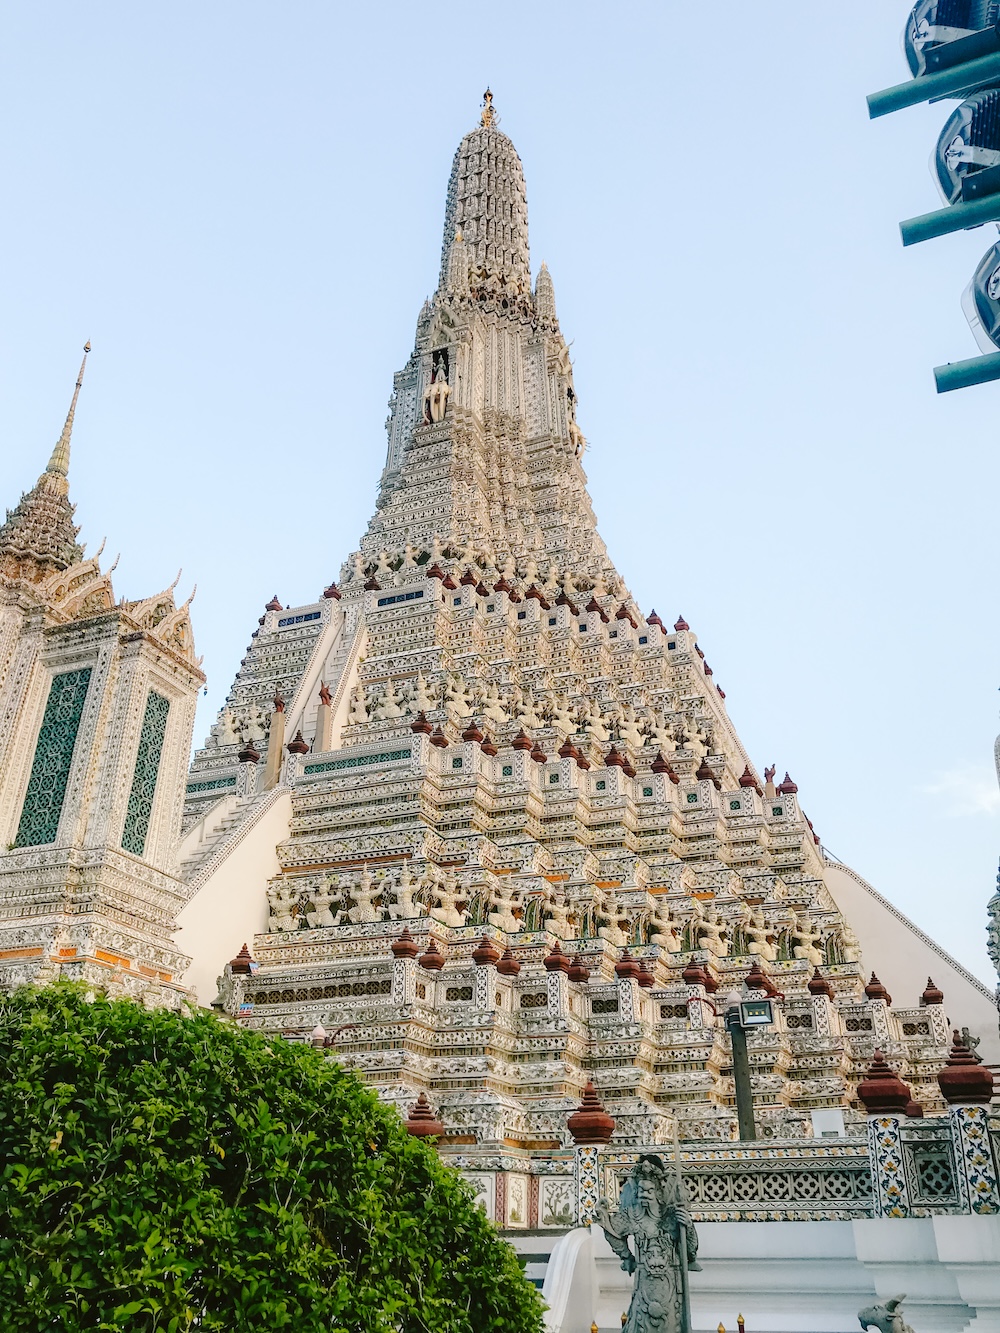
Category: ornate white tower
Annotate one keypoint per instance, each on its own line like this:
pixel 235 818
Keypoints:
pixel 476 812
pixel 483 416
pixel 96 711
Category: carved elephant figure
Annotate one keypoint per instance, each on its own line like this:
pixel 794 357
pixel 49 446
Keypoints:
pixel 886 1316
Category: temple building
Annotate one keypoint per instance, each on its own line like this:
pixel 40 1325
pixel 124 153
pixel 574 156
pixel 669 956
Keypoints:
pixel 473 818
pixel 486 819
pixel 97 702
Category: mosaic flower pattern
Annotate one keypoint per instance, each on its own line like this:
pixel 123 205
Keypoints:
pixel 50 768
pixel 147 767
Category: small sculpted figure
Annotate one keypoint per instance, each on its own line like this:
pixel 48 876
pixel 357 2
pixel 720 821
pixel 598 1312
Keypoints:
pixel 608 909
pixel 557 917
pixel 595 726
pixel 661 732
pixel 653 1213
pixel 710 932
pixel 364 893
pixel 694 740
pixel 436 397
pixel 886 1316
pixel 492 705
pixel 504 907
pixel 762 941
pixel 529 716
pixel 389 708
pixel 281 901
pixel 850 945
pixel 423 695
pixel 320 898
pixel 629 730
pixel 448 897
pixel 458 697
pixel 226 732
pixel 665 931
pixel 563 717
pixel 405 908
pixel 358 711
pixel 808 937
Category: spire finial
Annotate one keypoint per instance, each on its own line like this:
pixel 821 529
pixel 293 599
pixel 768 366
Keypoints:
pixel 489 116
pixel 59 462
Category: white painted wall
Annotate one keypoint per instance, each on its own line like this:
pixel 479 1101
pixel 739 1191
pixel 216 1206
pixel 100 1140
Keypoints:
pixel 232 906
pixel 801 1277
pixel 904 957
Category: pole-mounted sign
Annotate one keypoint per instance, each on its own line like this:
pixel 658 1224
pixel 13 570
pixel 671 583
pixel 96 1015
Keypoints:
pixel 953 50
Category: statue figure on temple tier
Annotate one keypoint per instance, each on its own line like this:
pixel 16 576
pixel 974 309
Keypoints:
pixel 364 892
pixel 653 1213
pixel 504 906
pixel 807 938
pixel 405 908
pixel 282 902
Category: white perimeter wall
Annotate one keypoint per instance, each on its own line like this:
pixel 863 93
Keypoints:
pixel 800 1277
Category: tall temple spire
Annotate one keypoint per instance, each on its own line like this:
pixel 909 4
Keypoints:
pixel 39 535
pixel 488 115
pixel 59 462
pixel 488 204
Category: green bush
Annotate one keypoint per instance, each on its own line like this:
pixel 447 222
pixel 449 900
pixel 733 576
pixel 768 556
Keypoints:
pixel 167 1172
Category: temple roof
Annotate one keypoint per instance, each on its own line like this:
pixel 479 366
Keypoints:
pixel 488 204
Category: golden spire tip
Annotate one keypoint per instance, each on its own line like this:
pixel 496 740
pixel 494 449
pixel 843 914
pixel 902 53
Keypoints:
pixel 59 462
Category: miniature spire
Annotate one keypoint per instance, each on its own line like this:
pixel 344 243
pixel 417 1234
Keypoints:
pixel 488 116
pixel 59 462
pixel 39 535
pixel 545 295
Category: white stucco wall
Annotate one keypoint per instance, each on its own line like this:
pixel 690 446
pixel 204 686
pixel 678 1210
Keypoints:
pixel 232 906
pixel 800 1277
pixel 904 957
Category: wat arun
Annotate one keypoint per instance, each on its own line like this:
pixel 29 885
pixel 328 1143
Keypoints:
pixel 524 844
pixel 473 818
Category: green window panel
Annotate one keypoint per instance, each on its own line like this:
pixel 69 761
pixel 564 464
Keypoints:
pixel 147 768
pixel 43 801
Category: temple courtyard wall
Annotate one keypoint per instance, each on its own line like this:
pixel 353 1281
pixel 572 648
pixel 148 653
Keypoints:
pixel 797 1276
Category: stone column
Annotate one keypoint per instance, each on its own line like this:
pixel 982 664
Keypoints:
pixel 626 1000
pixel 885 1097
pixel 967 1086
pixel 297 750
pixel 404 967
pixel 246 775
pixel 275 744
pixel 978 1180
pixel 590 1127
pixel 324 722
pixel 586 1183
pixel 486 955
pixel 558 988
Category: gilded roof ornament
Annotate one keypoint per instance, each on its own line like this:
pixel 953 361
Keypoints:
pixel 59 462
pixel 489 116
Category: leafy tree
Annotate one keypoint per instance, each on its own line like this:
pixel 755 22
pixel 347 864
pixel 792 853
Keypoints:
pixel 168 1172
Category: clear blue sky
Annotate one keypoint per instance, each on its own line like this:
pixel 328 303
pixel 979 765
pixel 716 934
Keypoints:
pixel 241 204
